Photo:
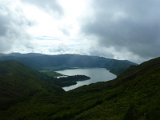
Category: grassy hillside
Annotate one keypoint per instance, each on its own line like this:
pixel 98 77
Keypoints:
pixel 18 82
pixel 134 95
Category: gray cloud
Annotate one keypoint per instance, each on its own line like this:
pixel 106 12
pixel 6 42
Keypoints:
pixel 12 28
pixel 124 29
pixel 48 5
pixel 126 24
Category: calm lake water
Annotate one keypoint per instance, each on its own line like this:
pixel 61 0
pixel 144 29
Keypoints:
pixel 96 75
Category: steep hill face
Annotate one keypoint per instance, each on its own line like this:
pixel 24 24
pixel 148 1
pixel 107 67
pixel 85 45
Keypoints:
pixel 134 95
pixel 18 82
pixel 40 61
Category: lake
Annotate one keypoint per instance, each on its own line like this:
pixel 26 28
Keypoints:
pixel 96 75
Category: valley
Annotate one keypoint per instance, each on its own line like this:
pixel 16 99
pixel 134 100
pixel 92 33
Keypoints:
pixel 79 60
pixel 29 95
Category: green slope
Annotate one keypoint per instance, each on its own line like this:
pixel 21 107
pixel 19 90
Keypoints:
pixel 134 95
pixel 18 82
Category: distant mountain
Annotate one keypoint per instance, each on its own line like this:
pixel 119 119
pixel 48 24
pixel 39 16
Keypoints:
pixel 65 61
pixel 133 95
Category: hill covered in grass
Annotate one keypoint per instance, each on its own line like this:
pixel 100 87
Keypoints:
pixel 18 82
pixel 134 95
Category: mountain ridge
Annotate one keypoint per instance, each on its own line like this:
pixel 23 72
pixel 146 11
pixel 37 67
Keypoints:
pixel 65 61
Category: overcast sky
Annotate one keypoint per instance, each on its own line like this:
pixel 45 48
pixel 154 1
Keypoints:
pixel 121 29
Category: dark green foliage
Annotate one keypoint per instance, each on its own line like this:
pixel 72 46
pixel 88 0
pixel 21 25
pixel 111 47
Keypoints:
pixel 18 82
pixel 63 80
pixel 69 80
pixel 51 73
pixel 134 95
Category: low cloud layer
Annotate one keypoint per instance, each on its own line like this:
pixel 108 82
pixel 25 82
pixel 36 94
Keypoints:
pixel 12 28
pixel 130 25
pixel 121 29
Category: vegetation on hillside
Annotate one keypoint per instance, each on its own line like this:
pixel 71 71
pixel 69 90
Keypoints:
pixel 18 82
pixel 51 73
pixel 64 80
pixel 134 95
pixel 69 80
